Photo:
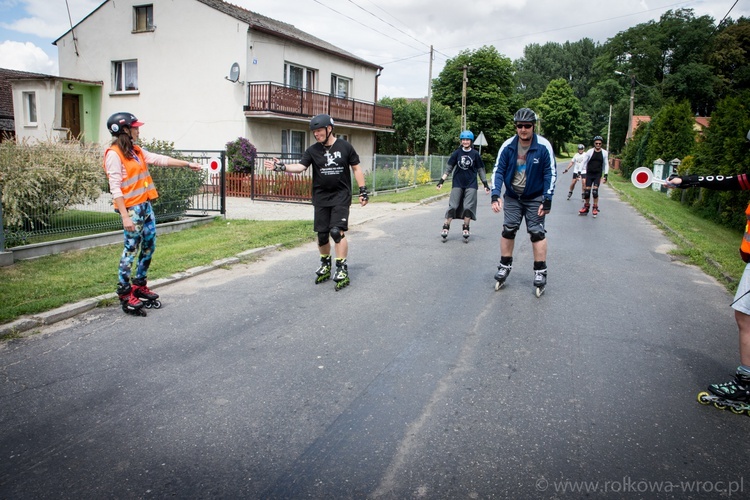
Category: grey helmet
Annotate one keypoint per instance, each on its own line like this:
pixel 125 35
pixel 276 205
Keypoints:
pixel 581 146
pixel 525 115
pixel 598 138
pixel 321 121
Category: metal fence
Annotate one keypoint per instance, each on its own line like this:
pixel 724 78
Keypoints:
pixel 182 193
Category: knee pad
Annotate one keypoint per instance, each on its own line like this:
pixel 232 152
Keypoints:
pixel 595 192
pixel 322 239
pixel 337 234
pixel 586 193
pixel 509 233
pixel 536 236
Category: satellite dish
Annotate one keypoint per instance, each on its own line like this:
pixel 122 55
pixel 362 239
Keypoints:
pixel 234 73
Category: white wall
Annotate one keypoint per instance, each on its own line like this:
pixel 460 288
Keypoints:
pixel 48 110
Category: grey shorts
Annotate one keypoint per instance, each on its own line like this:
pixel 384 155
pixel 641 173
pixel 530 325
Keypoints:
pixel 514 210
pixel 742 297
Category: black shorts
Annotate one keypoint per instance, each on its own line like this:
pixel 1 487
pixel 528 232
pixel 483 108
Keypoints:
pixel 329 217
pixel 593 180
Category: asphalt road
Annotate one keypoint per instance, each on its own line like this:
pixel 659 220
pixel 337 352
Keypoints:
pixel 417 381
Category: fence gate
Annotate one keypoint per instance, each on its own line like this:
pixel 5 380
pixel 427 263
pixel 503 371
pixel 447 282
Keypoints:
pixel 212 196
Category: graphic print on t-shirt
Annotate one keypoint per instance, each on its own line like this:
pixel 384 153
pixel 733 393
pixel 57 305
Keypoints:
pixel 331 167
pixel 465 163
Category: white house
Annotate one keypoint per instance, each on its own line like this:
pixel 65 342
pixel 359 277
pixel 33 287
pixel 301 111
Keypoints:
pixel 201 73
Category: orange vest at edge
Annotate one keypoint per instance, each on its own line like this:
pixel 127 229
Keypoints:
pixel 137 187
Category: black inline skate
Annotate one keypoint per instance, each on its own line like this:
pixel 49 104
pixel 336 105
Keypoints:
pixel 341 276
pixel 324 271
pixel 130 303
pixel 145 295
pixel 466 233
pixel 540 281
pixel 444 232
pixel 503 270
pixel 734 395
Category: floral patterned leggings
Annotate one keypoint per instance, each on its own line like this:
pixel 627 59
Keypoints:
pixel 144 237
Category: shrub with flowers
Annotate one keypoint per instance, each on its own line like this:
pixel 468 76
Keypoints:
pixel 241 156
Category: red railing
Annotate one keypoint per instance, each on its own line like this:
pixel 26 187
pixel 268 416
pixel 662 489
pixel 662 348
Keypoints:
pixel 270 186
pixel 272 97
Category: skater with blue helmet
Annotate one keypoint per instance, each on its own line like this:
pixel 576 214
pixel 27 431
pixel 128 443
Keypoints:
pixel 465 163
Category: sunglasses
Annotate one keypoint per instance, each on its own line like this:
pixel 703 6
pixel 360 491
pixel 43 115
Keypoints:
pixel 524 125
pixel 597 144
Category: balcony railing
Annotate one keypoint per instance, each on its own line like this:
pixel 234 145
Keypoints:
pixel 269 97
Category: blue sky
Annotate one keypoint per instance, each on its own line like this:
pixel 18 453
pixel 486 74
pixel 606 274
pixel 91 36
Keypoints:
pixel 395 34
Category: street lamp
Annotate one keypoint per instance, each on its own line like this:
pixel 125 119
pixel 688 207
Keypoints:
pixel 629 135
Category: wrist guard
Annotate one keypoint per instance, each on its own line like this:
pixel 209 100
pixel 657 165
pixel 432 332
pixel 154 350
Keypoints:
pixel 486 186
pixel 687 181
pixel 605 176
pixel 440 182
pixel 495 198
pixel 547 204
pixel 363 193
pixel 278 166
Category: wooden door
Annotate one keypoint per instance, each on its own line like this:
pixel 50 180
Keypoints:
pixel 71 115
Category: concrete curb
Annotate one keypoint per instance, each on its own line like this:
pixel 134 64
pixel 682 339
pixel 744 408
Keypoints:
pixel 26 323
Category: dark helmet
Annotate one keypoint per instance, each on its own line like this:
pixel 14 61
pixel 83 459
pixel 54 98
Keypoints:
pixel 524 115
pixel 321 121
pixel 598 138
pixel 467 134
pixel 116 122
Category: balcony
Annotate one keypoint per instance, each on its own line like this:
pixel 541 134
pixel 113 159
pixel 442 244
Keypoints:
pixel 274 99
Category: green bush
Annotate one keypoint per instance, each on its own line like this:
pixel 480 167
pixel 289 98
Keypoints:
pixel 241 155
pixel 176 186
pixel 42 179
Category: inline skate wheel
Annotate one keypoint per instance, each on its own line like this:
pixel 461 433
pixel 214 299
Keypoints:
pixel 148 305
pixel 539 291
pixel 498 285
pixel 720 406
pixel 703 398
pixel 736 411
pixel 157 304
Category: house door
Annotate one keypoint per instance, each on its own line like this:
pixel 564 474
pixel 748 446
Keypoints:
pixel 71 115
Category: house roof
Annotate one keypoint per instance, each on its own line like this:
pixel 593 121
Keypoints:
pixel 265 24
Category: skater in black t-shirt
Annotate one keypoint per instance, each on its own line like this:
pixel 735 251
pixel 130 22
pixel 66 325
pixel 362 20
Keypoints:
pixel 596 166
pixel 331 159
pixel 465 163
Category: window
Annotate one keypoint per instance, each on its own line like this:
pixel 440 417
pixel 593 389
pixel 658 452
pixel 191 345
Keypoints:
pixel 343 136
pixel 292 143
pixel 143 18
pixel 29 107
pixel 340 86
pixel 299 77
pixel 125 76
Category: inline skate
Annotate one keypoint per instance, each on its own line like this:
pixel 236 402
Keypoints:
pixel 145 295
pixel 341 276
pixel 734 395
pixel 595 211
pixel 324 271
pixel 584 210
pixel 503 270
pixel 130 303
pixel 444 232
pixel 540 281
pixel 466 233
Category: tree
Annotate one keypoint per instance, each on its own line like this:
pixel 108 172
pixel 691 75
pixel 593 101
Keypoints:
pixel 672 133
pixel 489 96
pixel 409 123
pixel 561 114
pixel 729 58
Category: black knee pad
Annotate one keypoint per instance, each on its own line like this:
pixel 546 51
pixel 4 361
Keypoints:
pixel 509 233
pixel 595 192
pixel 536 236
pixel 337 234
pixel 322 239
pixel 586 193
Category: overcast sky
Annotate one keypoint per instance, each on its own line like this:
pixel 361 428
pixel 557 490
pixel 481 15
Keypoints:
pixel 395 34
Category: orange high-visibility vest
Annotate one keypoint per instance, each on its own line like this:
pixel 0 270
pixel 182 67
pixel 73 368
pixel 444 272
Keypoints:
pixel 745 246
pixel 137 186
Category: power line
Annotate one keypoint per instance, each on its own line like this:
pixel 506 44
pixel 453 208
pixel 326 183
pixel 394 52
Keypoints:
pixel 386 22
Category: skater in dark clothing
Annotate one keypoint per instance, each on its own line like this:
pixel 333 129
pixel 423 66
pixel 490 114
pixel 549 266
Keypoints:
pixel 526 166
pixel 465 163
pixel 738 389
pixel 132 190
pixel 331 159
pixel 596 166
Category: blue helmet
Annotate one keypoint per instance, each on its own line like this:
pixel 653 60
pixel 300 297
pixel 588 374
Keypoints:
pixel 467 134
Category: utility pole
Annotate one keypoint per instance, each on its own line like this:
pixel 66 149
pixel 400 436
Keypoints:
pixel 629 135
pixel 463 97
pixel 429 105
pixel 609 125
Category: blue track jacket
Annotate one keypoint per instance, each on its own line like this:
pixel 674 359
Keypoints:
pixel 541 170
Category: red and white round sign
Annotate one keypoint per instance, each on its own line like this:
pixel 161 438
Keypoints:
pixel 214 164
pixel 642 177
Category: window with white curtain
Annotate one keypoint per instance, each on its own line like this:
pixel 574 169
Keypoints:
pixel 125 76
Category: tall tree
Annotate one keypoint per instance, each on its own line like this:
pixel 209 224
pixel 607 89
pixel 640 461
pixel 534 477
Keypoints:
pixel 672 133
pixel 409 123
pixel 561 115
pixel 490 100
